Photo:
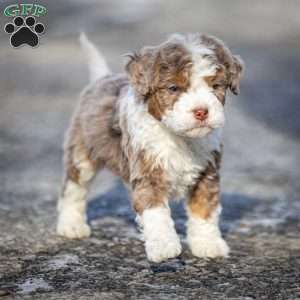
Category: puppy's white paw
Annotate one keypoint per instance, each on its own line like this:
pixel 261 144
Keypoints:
pixel 158 250
pixel 208 247
pixel 72 226
pixel 161 239
pixel 204 237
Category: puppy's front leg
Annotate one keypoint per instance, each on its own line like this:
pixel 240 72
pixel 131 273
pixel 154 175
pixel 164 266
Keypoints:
pixel 153 214
pixel 203 233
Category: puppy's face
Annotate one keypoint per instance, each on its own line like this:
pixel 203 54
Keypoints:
pixel 183 82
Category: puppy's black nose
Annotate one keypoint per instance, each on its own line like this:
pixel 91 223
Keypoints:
pixel 200 113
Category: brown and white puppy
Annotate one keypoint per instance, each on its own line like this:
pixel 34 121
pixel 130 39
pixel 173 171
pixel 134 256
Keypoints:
pixel 159 128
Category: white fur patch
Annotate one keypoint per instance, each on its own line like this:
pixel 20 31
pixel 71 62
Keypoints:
pixel 71 212
pixel 161 239
pixel 204 236
pixel 181 157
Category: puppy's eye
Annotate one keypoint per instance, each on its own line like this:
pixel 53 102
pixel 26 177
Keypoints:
pixel 216 86
pixel 173 88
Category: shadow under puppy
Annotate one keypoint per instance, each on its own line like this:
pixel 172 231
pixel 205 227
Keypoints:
pixel 159 128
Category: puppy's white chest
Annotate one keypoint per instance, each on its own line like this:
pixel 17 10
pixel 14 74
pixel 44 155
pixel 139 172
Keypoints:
pixel 185 164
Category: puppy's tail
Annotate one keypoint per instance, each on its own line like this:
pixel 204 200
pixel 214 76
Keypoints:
pixel 97 64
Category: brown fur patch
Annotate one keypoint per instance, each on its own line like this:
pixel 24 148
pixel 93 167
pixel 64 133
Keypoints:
pixel 155 70
pixel 232 64
pixel 74 147
pixel 149 185
pixel 139 69
pixel 94 134
pixel 204 197
pixel 218 83
pixel 100 124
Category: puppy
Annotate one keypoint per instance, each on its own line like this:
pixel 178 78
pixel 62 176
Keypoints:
pixel 158 127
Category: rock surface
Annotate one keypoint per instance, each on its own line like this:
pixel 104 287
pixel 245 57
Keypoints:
pixel 38 90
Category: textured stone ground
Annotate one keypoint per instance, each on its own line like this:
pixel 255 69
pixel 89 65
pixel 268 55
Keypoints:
pixel 38 90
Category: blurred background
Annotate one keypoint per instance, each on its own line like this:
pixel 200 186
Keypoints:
pixel 38 92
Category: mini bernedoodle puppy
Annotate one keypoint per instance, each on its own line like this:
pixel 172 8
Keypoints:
pixel 158 127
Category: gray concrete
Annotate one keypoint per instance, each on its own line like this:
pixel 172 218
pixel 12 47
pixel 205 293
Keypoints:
pixel 38 90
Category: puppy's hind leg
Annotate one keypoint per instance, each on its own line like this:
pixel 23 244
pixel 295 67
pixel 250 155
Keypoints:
pixel 79 172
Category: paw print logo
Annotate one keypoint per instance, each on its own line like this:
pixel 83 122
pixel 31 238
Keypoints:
pixel 24 32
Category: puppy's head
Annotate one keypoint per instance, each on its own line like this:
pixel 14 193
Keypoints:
pixel 183 82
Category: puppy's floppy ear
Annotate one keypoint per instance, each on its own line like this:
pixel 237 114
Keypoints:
pixel 235 74
pixel 139 69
